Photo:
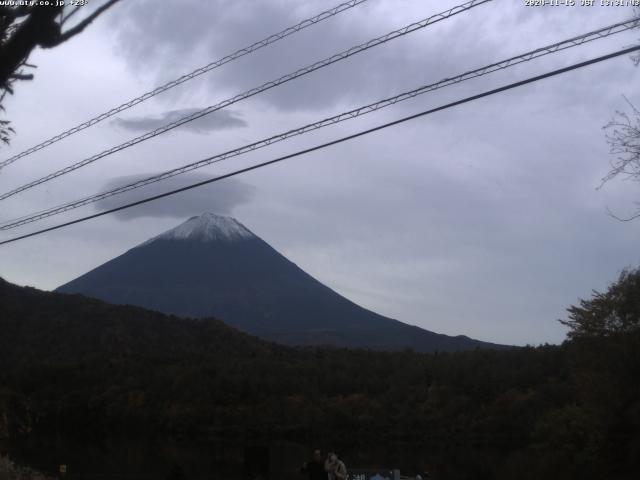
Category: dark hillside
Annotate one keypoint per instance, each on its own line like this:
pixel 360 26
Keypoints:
pixel 76 365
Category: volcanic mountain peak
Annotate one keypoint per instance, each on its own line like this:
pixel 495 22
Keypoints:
pixel 207 227
pixel 212 266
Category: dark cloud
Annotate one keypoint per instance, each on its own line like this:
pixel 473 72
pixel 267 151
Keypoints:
pixel 221 197
pixel 201 32
pixel 374 74
pixel 219 120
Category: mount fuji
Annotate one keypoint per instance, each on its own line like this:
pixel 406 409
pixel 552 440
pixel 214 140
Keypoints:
pixel 213 266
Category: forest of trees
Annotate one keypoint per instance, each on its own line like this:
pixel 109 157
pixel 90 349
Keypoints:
pixel 68 363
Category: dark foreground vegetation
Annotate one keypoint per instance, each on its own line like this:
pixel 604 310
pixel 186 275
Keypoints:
pixel 80 366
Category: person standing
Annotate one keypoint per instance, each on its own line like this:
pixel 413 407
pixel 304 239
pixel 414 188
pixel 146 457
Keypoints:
pixel 335 467
pixel 314 469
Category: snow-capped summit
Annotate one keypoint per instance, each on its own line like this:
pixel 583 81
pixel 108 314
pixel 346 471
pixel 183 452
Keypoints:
pixel 207 227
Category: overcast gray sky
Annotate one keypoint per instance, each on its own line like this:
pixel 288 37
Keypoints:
pixel 483 220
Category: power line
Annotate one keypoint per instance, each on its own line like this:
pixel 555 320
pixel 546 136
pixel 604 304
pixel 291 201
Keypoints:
pixel 363 110
pixel 334 142
pixel 254 91
pixel 186 77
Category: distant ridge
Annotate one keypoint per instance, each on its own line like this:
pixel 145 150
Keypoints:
pixel 213 266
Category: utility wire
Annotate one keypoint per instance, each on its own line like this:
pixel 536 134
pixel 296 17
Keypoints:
pixel 334 142
pixel 254 91
pixel 185 78
pixel 363 110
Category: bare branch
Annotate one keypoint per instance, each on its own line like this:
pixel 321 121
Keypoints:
pixel 69 15
pixel 41 26
pixel 623 219
pixel 623 137
pixel 63 37
pixel 22 76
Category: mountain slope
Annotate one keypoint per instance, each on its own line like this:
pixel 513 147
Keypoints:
pixel 214 266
